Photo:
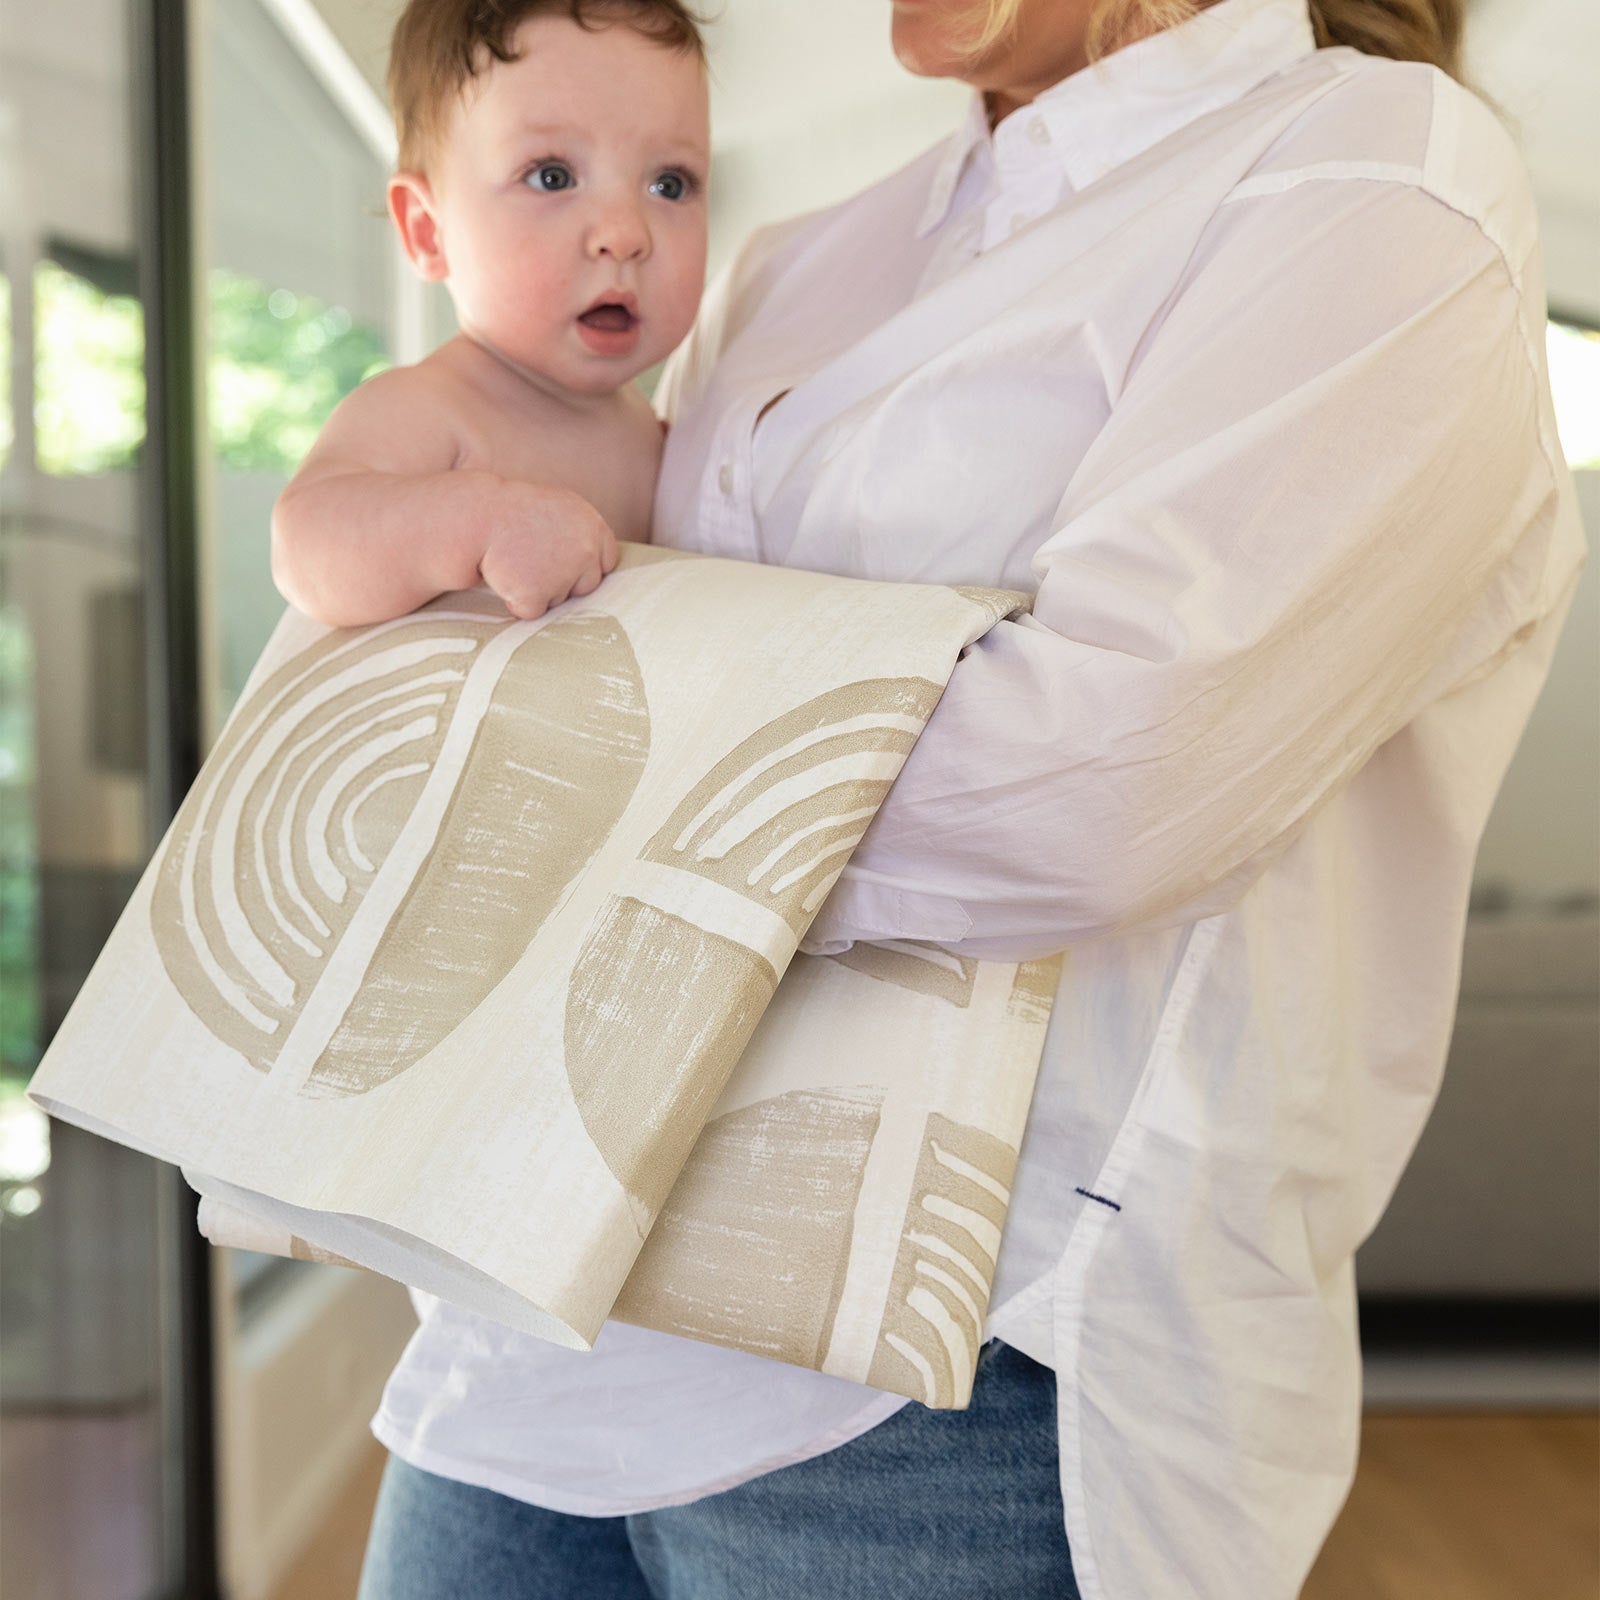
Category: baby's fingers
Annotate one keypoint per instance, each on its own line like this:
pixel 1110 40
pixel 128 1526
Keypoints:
pixel 590 581
pixel 526 607
pixel 524 597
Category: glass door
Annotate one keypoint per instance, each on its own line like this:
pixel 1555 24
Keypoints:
pixel 105 1468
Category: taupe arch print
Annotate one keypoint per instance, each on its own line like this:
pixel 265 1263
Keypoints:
pixel 915 964
pixel 753 1243
pixel 778 816
pixel 316 777
pixel 939 1293
pixel 298 708
pixel 671 1004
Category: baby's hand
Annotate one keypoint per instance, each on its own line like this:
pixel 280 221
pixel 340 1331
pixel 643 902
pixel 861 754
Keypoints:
pixel 544 545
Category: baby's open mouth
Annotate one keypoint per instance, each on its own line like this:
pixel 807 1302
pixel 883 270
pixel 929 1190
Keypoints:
pixel 609 317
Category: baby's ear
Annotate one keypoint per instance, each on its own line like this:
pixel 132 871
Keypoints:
pixel 416 219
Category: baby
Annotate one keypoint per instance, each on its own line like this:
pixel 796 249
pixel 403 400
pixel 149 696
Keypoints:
pixel 552 169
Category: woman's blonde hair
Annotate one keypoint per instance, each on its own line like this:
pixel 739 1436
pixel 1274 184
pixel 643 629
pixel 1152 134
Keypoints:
pixel 1406 30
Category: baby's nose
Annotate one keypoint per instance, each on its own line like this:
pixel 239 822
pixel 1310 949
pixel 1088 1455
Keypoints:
pixel 621 232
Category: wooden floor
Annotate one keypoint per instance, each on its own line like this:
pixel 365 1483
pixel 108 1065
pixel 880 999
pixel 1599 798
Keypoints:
pixel 1496 1507
pixel 1445 1507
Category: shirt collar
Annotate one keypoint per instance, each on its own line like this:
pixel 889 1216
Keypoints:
pixel 964 143
pixel 1118 107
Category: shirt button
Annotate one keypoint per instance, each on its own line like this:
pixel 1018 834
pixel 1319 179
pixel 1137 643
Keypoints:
pixel 725 478
pixel 1038 131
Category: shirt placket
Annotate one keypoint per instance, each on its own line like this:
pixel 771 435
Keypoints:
pixel 728 493
pixel 1029 180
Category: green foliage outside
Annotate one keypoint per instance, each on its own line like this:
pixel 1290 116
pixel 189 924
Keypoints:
pixel 280 362
pixel 88 375
pixel 19 1000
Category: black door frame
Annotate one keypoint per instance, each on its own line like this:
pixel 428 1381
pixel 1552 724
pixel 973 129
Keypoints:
pixel 169 554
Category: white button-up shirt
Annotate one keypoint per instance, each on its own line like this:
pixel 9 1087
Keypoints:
pixel 1231 350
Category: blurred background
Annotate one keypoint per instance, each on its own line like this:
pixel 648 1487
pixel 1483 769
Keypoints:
pixel 196 266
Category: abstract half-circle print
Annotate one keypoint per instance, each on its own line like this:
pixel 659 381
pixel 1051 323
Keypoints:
pixel 933 1321
pixel 501 755
pixel 752 1245
pixel 678 968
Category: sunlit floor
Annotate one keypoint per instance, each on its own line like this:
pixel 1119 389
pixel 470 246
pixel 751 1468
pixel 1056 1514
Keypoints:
pixel 1499 1506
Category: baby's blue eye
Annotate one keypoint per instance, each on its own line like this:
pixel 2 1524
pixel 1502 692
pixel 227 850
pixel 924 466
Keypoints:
pixel 551 177
pixel 670 186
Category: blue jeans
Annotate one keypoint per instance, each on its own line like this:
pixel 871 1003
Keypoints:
pixel 928 1505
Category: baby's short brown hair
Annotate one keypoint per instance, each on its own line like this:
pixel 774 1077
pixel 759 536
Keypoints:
pixel 439 46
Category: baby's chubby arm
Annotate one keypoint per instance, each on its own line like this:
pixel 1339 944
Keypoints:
pixel 380 517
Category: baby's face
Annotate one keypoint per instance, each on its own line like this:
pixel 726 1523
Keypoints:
pixel 570 194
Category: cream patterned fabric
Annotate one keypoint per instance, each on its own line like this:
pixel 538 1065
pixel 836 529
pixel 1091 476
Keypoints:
pixel 471 958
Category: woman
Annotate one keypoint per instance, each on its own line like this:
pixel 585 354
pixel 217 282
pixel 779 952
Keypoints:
pixel 1229 347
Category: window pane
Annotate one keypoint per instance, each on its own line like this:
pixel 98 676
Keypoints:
pixel 1574 355
pixel 88 381
pixel 278 364
pixel 91 1499
pixel 300 289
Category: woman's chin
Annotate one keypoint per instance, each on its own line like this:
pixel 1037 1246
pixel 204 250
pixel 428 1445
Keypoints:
pixel 921 41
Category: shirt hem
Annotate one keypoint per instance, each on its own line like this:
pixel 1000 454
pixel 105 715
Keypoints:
pixel 398 1442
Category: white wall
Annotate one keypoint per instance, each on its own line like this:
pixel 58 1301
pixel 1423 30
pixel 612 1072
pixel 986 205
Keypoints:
pixel 1540 60
pixel 809 105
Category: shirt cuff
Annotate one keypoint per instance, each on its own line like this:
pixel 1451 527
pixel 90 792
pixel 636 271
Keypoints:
pixel 867 909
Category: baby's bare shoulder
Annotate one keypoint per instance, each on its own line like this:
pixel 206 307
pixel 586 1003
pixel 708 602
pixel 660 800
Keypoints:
pixel 401 420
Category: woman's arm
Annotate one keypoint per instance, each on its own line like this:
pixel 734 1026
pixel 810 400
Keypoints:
pixel 1323 499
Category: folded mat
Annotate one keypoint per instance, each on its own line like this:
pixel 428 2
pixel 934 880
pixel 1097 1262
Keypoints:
pixel 461 962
